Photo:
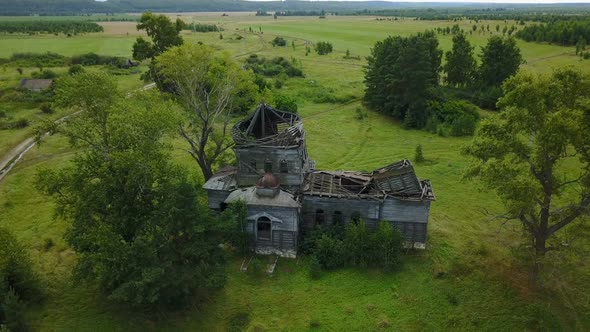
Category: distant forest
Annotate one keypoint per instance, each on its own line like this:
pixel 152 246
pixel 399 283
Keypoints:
pixel 422 10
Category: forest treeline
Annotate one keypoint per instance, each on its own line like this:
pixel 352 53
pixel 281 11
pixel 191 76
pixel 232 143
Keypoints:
pixel 65 7
pixel 65 27
pixel 563 32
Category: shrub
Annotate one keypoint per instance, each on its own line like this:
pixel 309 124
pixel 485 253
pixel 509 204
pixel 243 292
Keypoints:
pixel 358 243
pixel 2 114
pixel 418 155
pixel 256 267
pixel 279 82
pixel 323 48
pixel 12 312
pixel 389 246
pixel 286 104
pixel 46 108
pixel 315 268
pixel 21 123
pixel 75 69
pixel 360 113
pixel 45 74
pixel 233 224
pixel 329 252
pixel 460 116
pixel 279 41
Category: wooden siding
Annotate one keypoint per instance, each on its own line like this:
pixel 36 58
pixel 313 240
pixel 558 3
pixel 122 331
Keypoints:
pixel 405 211
pixel 412 231
pixel 366 209
pixel 294 158
pixel 216 197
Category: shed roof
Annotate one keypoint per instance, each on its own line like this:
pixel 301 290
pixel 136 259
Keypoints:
pixel 249 196
pixel 269 127
pixel 35 84
pixel 396 180
pixel 225 179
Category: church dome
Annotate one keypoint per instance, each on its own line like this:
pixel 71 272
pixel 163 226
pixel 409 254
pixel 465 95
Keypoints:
pixel 268 181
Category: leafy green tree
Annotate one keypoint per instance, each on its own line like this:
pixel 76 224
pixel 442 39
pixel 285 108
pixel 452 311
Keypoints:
pixel 323 48
pixel 580 45
pixel 460 66
pixel 134 218
pixel 163 33
pixel 524 154
pixel 210 88
pixel 401 75
pixel 18 282
pixel 500 59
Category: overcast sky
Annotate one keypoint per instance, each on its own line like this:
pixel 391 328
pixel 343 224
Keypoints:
pixel 484 1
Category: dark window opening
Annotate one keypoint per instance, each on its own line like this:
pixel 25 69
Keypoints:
pixel 337 218
pixel 284 166
pixel 222 206
pixel 253 166
pixel 268 166
pixel 320 217
pixel 263 228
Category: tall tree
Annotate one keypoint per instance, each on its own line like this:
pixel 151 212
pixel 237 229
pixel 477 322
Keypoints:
pixel 135 223
pixel 500 59
pixel 460 66
pixel 400 75
pixel 210 88
pixel 536 154
pixel 163 33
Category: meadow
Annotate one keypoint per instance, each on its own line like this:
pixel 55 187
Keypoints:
pixel 467 279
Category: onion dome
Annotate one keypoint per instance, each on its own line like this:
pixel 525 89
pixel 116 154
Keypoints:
pixel 268 181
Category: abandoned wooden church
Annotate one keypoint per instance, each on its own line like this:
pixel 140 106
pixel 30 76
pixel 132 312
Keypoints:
pixel 286 196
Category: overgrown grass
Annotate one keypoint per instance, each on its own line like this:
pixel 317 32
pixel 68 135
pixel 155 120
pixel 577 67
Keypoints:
pixel 467 278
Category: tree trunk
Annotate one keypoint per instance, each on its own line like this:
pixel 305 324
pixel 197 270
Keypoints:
pixel 540 251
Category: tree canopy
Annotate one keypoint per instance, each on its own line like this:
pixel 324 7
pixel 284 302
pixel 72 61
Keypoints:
pixel 500 59
pixel 400 75
pixel 163 33
pixel 210 87
pixel 460 66
pixel 524 152
pixel 134 219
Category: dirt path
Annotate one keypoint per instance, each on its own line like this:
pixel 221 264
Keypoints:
pixel 10 159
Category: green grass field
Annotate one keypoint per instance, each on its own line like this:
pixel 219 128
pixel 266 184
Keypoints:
pixel 467 279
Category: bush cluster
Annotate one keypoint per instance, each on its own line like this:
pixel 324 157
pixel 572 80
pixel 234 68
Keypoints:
pixel 323 48
pixel 272 67
pixel 279 41
pixel 354 244
pixel 18 283
pixel 49 26
pixel 453 117
pixel 199 27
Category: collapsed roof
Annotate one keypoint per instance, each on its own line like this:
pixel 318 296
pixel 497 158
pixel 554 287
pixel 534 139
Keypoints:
pixel 269 127
pixel 396 180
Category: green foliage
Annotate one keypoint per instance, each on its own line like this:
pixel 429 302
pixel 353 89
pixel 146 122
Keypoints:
pixel 272 67
pixel 559 31
pixel 163 32
pixel 520 152
pixel 329 252
pixel 360 113
pixel 354 245
pixel 216 89
pixel 418 154
pixel 460 65
pixel 18 283
pixel 52 27
pixel 323 47
pixel 135 221
pixel 279 41
pixel 46 108
pixel 201 27
pixel 400 76
pixel 500 59
pixel 48 59
pixel 315 268
pixel 285 103
pixel 461 117
pixel 233 222
pixel 75 69
pixel 45 74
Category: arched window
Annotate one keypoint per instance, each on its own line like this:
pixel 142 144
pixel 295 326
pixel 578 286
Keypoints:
pixel 284 166
pixel 263 228
pixel 337 218
pixel 320 217
pixel 268 166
